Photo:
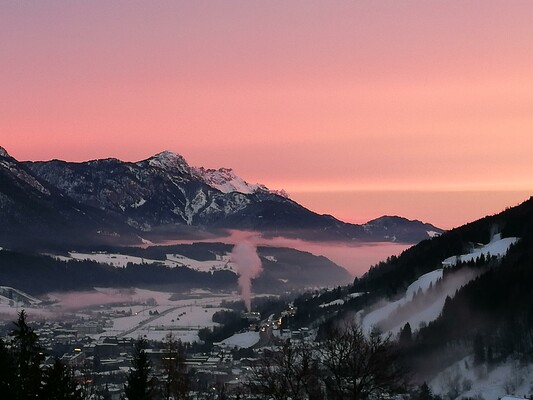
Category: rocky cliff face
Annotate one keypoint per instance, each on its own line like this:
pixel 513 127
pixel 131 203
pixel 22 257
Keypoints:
pixel 159 191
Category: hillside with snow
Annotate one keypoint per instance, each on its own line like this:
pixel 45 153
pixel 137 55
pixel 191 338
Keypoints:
pixel 496 247
pixel 424 298
pixel 458 306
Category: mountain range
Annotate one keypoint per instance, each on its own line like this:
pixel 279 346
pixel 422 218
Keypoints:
pixel 57 202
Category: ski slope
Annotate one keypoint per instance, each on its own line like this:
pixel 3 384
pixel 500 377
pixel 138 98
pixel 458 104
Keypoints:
pixel 496 247
pixel 383 311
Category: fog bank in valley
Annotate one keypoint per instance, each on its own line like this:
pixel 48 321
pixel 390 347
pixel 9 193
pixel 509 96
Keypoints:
pixel 355 257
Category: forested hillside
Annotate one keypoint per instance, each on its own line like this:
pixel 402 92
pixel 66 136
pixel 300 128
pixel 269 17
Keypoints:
pixel 490 313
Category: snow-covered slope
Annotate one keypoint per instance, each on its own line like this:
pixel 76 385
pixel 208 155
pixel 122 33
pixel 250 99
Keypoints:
pixel 496 247
pixel 34 210
pixel 419 304
pixel 222 179
pixel 242 340
pixel 169 161
pixel 173 260
pixel 17 295
pixel 16 170
pixel 510 380
pixel 423 283
pixel 384 311
pixel 225 180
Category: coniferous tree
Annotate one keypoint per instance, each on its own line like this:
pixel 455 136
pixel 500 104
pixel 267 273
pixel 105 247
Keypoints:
pixel 479 349
pixel 406 335
pixel 176 384
pixel 7 372
pixel 490 356
pixel 140 385
pixel 27 356
pixel 424 392
pixel 59 384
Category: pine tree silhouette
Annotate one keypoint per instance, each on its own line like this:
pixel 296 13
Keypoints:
pixel 28 356
pixel 140 384
pixel 59 384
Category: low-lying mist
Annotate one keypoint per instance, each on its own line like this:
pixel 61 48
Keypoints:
pixel 77 300
pixel 355 257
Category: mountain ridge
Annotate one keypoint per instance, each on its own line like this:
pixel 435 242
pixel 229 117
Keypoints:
pixel 164 196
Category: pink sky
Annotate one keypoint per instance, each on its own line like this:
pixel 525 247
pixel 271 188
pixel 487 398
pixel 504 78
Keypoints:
pixel 313 97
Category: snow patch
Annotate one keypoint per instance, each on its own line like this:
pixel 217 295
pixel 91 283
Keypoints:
pixel 338 302
pixel 243 340
pixel 113 259
pixel 138 203
pixel 423 283
pixel 168 160
pixel 496 247
pixel 225 180
pixel 219 264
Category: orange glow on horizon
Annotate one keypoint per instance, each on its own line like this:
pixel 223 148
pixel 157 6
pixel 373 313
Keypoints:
pixel 309 97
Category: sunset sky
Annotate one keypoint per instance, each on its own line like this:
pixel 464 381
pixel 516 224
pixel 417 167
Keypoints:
pixel 334 101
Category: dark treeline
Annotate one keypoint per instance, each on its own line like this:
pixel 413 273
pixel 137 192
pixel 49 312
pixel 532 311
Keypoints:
pixel 22 375
pixel 201 251
pixel 292 269
pixel 48 274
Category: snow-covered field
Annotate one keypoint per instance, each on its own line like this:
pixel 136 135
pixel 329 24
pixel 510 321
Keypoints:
pixel 147 313
pixel 221 263
pixel 183 318
pixel 172 260
pixel 243 340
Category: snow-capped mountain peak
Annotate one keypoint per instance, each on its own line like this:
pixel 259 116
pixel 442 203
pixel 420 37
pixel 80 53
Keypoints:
pixel 168 160
pixel 223 179
pixel 226 181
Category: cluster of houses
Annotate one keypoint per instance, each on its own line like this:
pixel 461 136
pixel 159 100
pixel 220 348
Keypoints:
pixel 101 363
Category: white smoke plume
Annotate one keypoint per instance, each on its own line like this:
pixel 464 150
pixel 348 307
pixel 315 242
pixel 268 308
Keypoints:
pixel 248 263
